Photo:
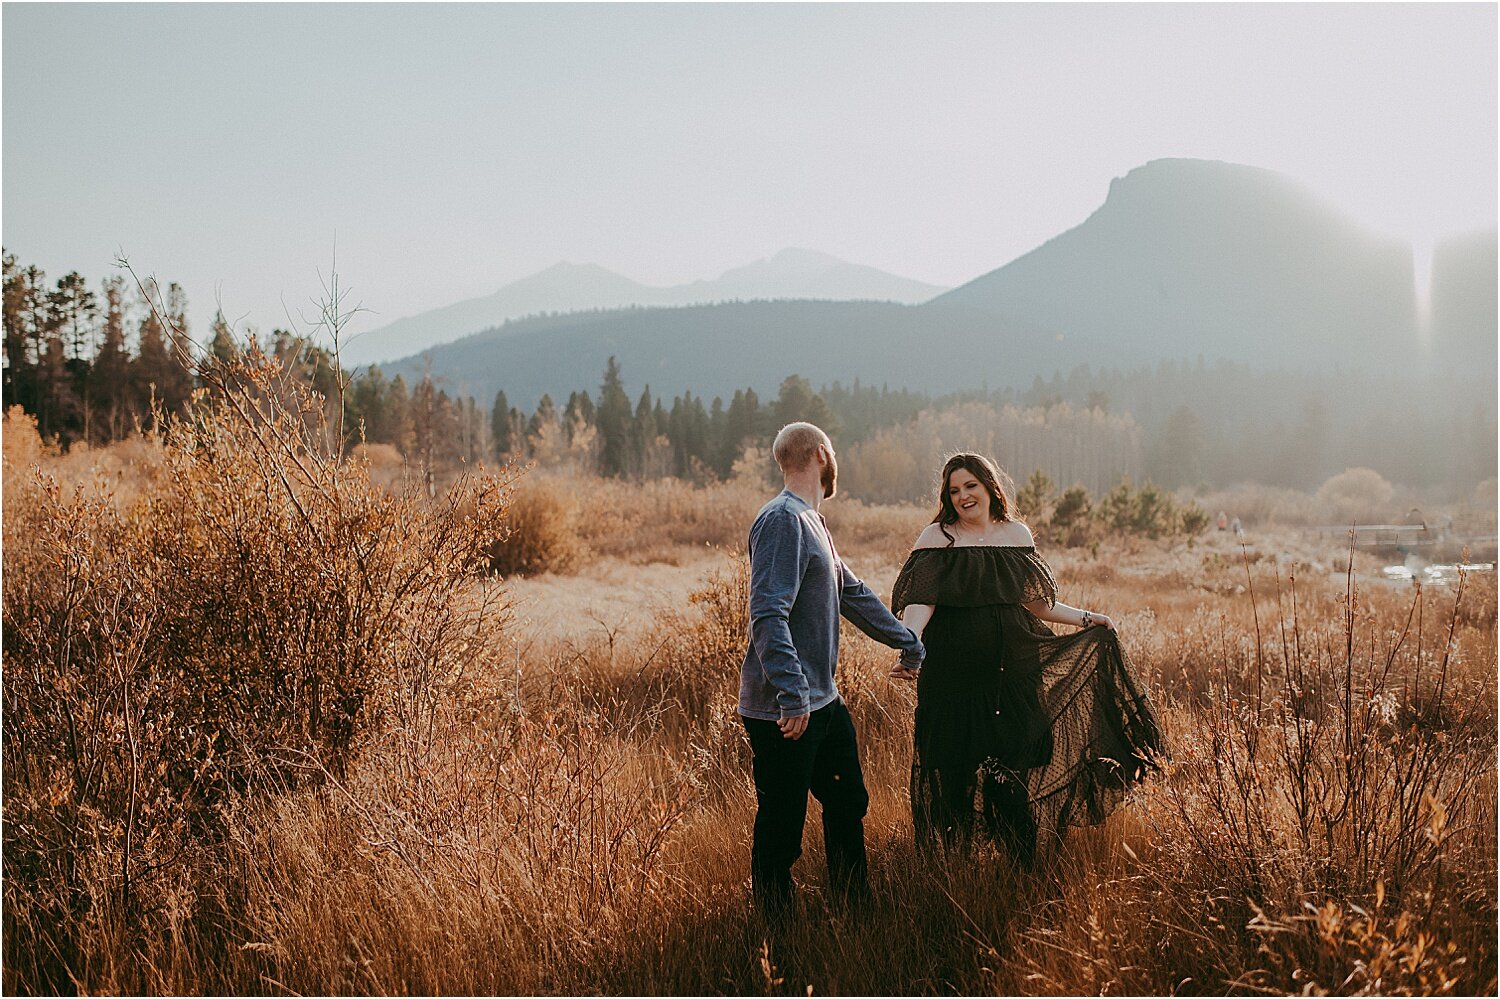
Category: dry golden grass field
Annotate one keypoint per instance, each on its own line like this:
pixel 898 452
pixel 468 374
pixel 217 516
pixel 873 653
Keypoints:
pixel 269 728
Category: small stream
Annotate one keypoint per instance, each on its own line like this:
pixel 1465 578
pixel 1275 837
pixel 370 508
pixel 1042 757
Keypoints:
pixel 1435 573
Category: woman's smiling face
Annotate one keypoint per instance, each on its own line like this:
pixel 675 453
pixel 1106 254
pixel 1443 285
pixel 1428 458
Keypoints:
pixel 969 497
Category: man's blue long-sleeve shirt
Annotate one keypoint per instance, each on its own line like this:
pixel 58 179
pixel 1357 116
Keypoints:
pixel 798 588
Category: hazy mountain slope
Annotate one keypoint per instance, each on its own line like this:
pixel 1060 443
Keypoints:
pixel 1190 256
pixel 1185 259
pixel 578 287
pixel 712 350
pixel 794 273
pixel 561 287
pixel 1464 310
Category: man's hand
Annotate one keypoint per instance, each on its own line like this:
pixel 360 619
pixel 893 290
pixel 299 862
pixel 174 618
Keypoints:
pixel 793 726
pixel 901 671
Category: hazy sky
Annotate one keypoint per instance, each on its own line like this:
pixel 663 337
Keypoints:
pixel 455 148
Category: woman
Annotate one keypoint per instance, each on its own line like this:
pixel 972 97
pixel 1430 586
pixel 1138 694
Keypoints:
pixel 1026 730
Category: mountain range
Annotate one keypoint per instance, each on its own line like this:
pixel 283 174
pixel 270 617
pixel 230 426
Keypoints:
pixel 1186 257
pixel 568 287
pixel 1183 259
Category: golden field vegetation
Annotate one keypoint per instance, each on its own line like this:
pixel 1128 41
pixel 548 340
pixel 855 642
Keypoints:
pixel 269 729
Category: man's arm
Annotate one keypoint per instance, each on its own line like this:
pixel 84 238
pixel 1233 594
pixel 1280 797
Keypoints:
pixel 776 568
pixel 869 614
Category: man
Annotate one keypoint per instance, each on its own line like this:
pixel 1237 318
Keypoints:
pixel 800 731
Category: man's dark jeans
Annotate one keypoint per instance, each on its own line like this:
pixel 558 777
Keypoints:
pixel 825 761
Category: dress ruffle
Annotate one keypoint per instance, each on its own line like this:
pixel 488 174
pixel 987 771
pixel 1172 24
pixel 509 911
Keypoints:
pixel 973 576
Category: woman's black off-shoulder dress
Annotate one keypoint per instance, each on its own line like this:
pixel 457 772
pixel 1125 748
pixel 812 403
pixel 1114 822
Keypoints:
pixel 1021 729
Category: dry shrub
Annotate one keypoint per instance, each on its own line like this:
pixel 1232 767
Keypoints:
pixel 543 530
pixel 23 445
pixel 1304 784
pixel 261 607
pixel 1258 505
pixel 1478 608
pixel 1379 949
pixel 1355 495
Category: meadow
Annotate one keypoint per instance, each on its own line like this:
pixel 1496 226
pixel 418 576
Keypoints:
pixel 275 724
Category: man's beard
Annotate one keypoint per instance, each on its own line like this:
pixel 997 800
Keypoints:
pixel 830 479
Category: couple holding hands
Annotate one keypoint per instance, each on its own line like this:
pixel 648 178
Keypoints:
pixel 1020 732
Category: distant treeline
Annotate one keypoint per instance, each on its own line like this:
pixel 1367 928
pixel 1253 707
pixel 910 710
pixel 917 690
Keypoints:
pixel 1225 422
pixel 87 364
pixel 97 365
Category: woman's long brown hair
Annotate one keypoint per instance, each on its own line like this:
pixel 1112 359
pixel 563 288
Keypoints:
pixel 988 475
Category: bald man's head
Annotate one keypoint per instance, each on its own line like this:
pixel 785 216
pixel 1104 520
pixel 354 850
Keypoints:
pixel 795 446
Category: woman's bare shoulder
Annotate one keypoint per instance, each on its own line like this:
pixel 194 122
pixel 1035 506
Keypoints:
pixel 1018 533
pixel 932 536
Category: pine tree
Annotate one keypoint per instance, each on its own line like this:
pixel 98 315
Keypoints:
pixel 75 308
pixel 157 374
pixel 150 362
pixel 687 429
pixel 398 424
pixel 39 324
pixel 1035 497
pixel 471 431
pixel 797 402
pixel 544 416
pixel 613 419
pixel 222 347
pixel 58 409
pixel 367 400
pixel 110 372
pixel 716 437
pixel 642 433
pixel 178 383
pixel 500 426
pixel 578 414
pixel 518 433
pixel 543 431
pixel 20 362
pixel 741 423
pixel 436 432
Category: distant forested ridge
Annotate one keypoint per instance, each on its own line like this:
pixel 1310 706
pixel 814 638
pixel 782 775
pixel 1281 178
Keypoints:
pixel 97 365
pixel 1184 258
pixel 1246 332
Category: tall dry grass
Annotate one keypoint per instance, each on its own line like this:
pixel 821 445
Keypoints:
pixel 229 627
pixel 560 522
pixel 575 816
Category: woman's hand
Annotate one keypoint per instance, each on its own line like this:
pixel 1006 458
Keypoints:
pixel 903 672
pixel 1102 621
